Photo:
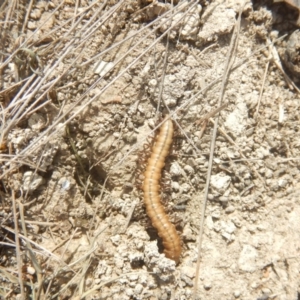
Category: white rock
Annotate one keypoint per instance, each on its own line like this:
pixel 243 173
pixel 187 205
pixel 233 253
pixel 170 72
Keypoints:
pixel 236 121
pixel 175 169
pixel 36 122
pixel 30 270
pixel 220 182
pixel 175 186
pixel 188 169
pixel 219 22
pixel 228 237
pixel 31 181
pixel 185 188
pixel 116 239
pixel 102 67
pixel 228 227
pixel 247 259
pixel 209 222
pixel 188 271
pixel 170 102
pixel 138 289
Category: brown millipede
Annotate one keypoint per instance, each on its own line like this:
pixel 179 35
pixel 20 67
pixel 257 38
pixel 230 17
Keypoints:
pixel 151 187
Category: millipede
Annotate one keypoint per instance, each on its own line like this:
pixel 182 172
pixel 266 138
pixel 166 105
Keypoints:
pixel 151 188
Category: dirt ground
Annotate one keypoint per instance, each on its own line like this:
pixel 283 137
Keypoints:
pixel 84 88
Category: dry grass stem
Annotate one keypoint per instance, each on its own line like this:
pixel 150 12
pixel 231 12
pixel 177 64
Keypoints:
pixel 228 65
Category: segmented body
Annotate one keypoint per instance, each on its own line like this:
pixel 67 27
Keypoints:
pixel 151 187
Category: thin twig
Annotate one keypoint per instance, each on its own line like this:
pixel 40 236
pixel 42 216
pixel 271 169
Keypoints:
pixel 229 63
pixel 162 79
pixel 44 250
pixel 32 147
pixel 262 87
pixel 18 251
pixel 28 11
pixel 277 61
pixel 32 256
pixel 204 119
pixel 129 216
pixel 75 12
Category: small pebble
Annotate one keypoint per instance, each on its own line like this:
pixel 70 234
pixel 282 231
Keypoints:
pixel 207 285
pixel 230 209
pixel 236 294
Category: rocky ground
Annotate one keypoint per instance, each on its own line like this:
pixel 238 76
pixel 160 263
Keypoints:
pixel 84 86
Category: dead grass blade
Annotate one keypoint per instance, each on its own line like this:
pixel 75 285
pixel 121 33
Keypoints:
pixel 228 65
pixel 53 129
pixel 18 250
